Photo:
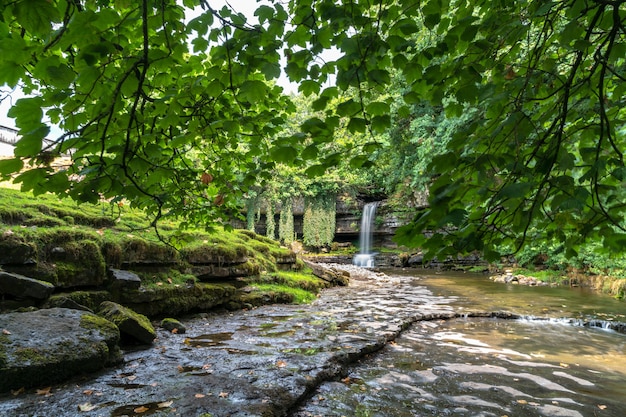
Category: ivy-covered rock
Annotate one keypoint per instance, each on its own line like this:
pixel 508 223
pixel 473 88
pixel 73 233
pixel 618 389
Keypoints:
pixel 50 345
pixel 135 326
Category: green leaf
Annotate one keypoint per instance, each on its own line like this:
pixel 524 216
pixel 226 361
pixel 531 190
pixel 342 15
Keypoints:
pixel 10 166
pixel 357 125
pixel 515 190
pixel 377 108
pixel 37 16
pixel 358 161
pixel 254 90
pixel 310 152
pixel 285 154
pixel 316 170
pixel 27 113
pixel 30 143
pixel 308 87
pixel 264 13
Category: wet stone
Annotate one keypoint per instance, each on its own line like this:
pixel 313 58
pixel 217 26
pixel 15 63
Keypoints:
pixel 374 347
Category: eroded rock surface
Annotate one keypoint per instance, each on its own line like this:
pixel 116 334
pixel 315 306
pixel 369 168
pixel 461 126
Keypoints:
pixel 47 346
pixel 257 362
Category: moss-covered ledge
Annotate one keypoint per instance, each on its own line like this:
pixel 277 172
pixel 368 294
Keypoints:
pixel 67 342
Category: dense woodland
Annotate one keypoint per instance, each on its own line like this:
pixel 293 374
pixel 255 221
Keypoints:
pixel 510 115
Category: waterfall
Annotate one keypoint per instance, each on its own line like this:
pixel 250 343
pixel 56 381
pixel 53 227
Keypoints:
pixel 365 257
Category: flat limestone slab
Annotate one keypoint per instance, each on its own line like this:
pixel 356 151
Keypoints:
pixel 45 346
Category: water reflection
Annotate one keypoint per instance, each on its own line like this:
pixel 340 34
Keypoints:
pixel 486 367
pixel 477 292
pixel 489 366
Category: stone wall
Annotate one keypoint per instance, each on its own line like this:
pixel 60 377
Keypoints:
pixel 347 220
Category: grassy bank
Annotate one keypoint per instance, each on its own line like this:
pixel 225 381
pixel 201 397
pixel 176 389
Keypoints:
pixel 106 234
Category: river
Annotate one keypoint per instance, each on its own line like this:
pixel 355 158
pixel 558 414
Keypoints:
pixel 404 343
pixel 544 364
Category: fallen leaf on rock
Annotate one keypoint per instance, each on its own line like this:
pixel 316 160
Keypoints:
pixel 199 395
pixel 281 364
pixel 5 331
pixel 44 391
pixel 522 402
pixel 602 406
pixel 564 365
pixel 206 366
pixel 165 404
pixel 88 392
pixel 223 394
pixel 17 391
pixel 132 377
pixel 175 330
pixel 86 407
pixel 141 409
pixel 346 380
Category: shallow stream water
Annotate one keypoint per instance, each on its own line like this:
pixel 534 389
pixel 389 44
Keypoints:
pixel 408 343
pixel 544 364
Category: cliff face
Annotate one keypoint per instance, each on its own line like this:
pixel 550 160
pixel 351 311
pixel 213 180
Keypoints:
pixel 348 221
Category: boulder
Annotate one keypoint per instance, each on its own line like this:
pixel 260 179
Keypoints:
pixel 134 325
pixel 20 286
pixel 173 325
pixel 120 279
pixel 16 252
pixel 331 275
pixel 47 346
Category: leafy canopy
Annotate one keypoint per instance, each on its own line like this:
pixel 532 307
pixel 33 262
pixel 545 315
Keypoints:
pixel 182 118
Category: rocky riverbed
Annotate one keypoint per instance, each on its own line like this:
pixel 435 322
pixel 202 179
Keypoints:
pixel 258 362
pixel 266 361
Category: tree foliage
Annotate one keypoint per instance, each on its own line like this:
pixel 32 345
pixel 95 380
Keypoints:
pixel 183 117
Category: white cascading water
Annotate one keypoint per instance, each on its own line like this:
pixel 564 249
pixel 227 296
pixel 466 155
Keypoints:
pixel 365 257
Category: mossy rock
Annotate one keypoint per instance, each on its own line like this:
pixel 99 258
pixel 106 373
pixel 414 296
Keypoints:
pixel 51 345
pixel 81 264
pixel 14 250
pixel 173 325
pixel 132 324
pixel 89 299
pixel 171 300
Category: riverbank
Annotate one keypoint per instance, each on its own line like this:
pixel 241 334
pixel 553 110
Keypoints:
pixel 271 360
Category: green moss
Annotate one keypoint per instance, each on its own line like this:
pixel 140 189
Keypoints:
pixel 89 299
pixel 278 292
pixel 93 322
pixel 30 355
pixel 4 340
pixel 303 280
pixel 172 277
pixel 94 236
pixel 118 319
